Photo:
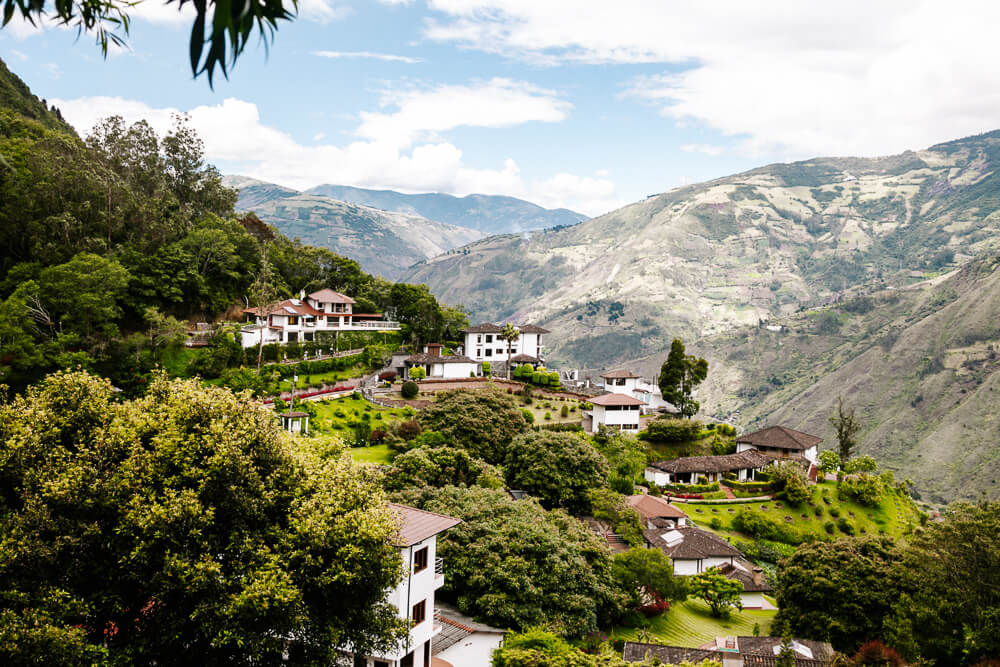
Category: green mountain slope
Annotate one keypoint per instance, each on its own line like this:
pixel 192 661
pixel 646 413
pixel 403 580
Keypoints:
pixel 490 214
pixel 15 96
pixel 382 242
pixel 712 257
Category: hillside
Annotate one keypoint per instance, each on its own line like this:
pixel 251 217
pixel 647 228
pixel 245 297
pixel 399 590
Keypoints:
pixel 382 242
pixel 712 257
pixel 489 214
pixel 919 364
pixel 15 96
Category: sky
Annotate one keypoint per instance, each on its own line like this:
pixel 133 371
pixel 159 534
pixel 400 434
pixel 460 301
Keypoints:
pixel 567 103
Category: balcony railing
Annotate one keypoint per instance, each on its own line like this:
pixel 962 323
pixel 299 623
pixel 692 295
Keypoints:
pixel 437 621
pixel 438 567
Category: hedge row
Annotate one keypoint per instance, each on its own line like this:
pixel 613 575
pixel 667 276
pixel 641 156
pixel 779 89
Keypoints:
pixel 747 486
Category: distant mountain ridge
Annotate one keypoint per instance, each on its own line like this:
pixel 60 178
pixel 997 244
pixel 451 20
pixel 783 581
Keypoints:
pixel 491 214
pixel 384 243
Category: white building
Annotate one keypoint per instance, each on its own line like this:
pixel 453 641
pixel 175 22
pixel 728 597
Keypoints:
pixel 688 469
pixel 414 595
pixel 627 382
pixel 616 411
pixel 692 549
pixel 437 366
pixel 781 443
pixel 482 343
pixel 299 320
pixel 463 641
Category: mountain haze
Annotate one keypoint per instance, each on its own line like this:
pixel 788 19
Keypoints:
pixel 491 214
pixel 382 242
pixel 708 258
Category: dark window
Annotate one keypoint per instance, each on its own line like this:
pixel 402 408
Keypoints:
pixel 381 663
pixel 489 338
pixel 420 560
pixel 407 660
pixel 489 353
pixel 427 653
pixel 360 661
pixel 293 320
pixel 419 612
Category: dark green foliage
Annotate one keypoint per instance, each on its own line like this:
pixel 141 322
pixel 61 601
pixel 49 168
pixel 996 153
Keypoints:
pixel 483 422
pixel 721 593
pixel 610 506
pixel 761 526
pixel 865 488
pixel 560 469
pixel 514 565
pixel 797 490
pixel 409 390
pixel 668 429
pixel 680 375
pixel 647 573
pixel 440 466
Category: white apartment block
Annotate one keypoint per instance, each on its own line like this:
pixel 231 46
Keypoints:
pixel 483 343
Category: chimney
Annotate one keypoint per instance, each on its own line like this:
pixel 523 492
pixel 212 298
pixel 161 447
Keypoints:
pixel 758 576
pixel 302 294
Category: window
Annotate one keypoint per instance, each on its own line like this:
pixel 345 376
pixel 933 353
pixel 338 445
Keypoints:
pixel 489 352
pixel 292 320
pixel 427 653
pixel 479 351
pixel 420 560
pixel 479 339
pixel 489 338
pixel 499 350
pixel 407 660
pixel 419 612
pixel 308 335
pixel 381 663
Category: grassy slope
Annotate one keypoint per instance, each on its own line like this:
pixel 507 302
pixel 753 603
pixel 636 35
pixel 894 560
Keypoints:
pixel 690 624
pixel 895 514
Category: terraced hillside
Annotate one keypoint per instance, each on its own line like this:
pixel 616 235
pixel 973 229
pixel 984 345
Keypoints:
pixel 709 258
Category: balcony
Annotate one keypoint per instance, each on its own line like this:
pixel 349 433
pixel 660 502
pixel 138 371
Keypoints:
pixel 438 573
pixel 438 626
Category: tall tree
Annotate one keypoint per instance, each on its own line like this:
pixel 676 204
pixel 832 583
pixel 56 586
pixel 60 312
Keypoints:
pixel 510 334
pixel 847 427
pixel 182 528
pixel 721 593
pixel 680 375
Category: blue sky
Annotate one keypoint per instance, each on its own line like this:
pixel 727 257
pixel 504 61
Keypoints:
pixel 588 105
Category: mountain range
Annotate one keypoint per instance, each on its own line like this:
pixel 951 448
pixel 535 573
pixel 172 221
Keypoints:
pixel 383 242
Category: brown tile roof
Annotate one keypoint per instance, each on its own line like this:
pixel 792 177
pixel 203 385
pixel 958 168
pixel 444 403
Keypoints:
pixel 651 507
pixel 619 374
pixel 286 307
pixel 294 414
pixel 417 525
pixel 327 295
pixel 425 358
pixel 780 437
pixel 524 359
pixel 488 327
pixel 531 328
pixel 697 544
pixel 764 646
pixel 616 399
pixel 737 573
pixel 714 464
pixel 671 655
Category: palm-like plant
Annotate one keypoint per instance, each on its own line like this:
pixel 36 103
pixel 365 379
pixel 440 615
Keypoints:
pixel 510 334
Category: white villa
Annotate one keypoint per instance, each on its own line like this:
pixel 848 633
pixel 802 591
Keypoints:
pixel 627 382
pixel 299 320
pixel 437 366
pixel 781 443
pixel 483 344
pixel 414 595
pixel 687 469
pixel 616 411
pixel 692 549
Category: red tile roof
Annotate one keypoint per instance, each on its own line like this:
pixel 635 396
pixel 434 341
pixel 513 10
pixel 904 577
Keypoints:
pixel 780 437
pixel 651 507
pixel 619 374
pixel 327 295
pixel 287 307
pixel 616 399
pixel 417 525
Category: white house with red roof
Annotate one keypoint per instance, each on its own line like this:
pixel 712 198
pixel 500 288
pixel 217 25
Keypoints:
pixel 628 382
pixel 299 320
pixel 619 412
pixel 416 540
pixel 781 442
pixel 483 343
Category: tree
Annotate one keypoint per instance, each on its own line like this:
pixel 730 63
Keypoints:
pixel 440 466
pixel 558 468
pixel 224 29
pixel 721 593
pixel 514 565
pixel 680 375
pixel 181 527
pixel 829 461
pixel 847 427
pixel 417 373
pixel 797 490
pixel 647 575
pixel 611 506
pixel 265 295
pixel 838 591
pixel 409 389
pixel 483 422
pixel 861 464
pixel 510 334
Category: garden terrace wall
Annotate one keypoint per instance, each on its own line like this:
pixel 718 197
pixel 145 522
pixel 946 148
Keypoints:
pixel 441 384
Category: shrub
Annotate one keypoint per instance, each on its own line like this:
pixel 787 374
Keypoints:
pixel 845 526
pixel 409 390
pixel 548 416
pixel 570 427
pixel 487 368
pixel 408 430
pixel 715 523
pixel 622 485
pixel 753 487
pixel 761 526
pixel 529 416
pixel 691 488
pixel 865 488
pixel 417 373
pixel 564 411
pixel 829 527
pixel 671 430
pixel 796 490
pixel 818 511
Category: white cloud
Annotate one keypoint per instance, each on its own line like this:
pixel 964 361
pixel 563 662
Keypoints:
pixel 494 103
pixel 234 132
pixel 323 11
pixel 53 69
pixel 790 77
pixel 17 54
pixel 707 149
pixel 389 57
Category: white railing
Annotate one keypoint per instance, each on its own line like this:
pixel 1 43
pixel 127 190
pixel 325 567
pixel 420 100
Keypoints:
pixel 385 324
pixel 438 567
pixel 437 621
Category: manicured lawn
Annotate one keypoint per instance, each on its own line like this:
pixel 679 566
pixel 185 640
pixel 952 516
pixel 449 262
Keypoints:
pixel 374 454
pixel 338 416
pixel 554 407
pixel 895 514
pixel 690 624
pixel 318 379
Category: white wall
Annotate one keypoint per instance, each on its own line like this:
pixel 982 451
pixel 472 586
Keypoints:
pixel 476 650
pixel 657 477
pixel 476 346
pixel 685 566
pixel 459 370
pixel 411 590
pixel 752 600
pixel 617 417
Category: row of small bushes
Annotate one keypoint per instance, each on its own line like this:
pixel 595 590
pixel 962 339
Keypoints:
pixel 671 430
pixel 690 488
pixel 760 526
pixel 318 367
pixel 569 427
pixel 747 486
pixel 539 377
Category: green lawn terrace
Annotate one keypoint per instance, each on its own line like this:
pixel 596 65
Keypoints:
pixel 895 515
pixel 337 417
pixel 690 624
